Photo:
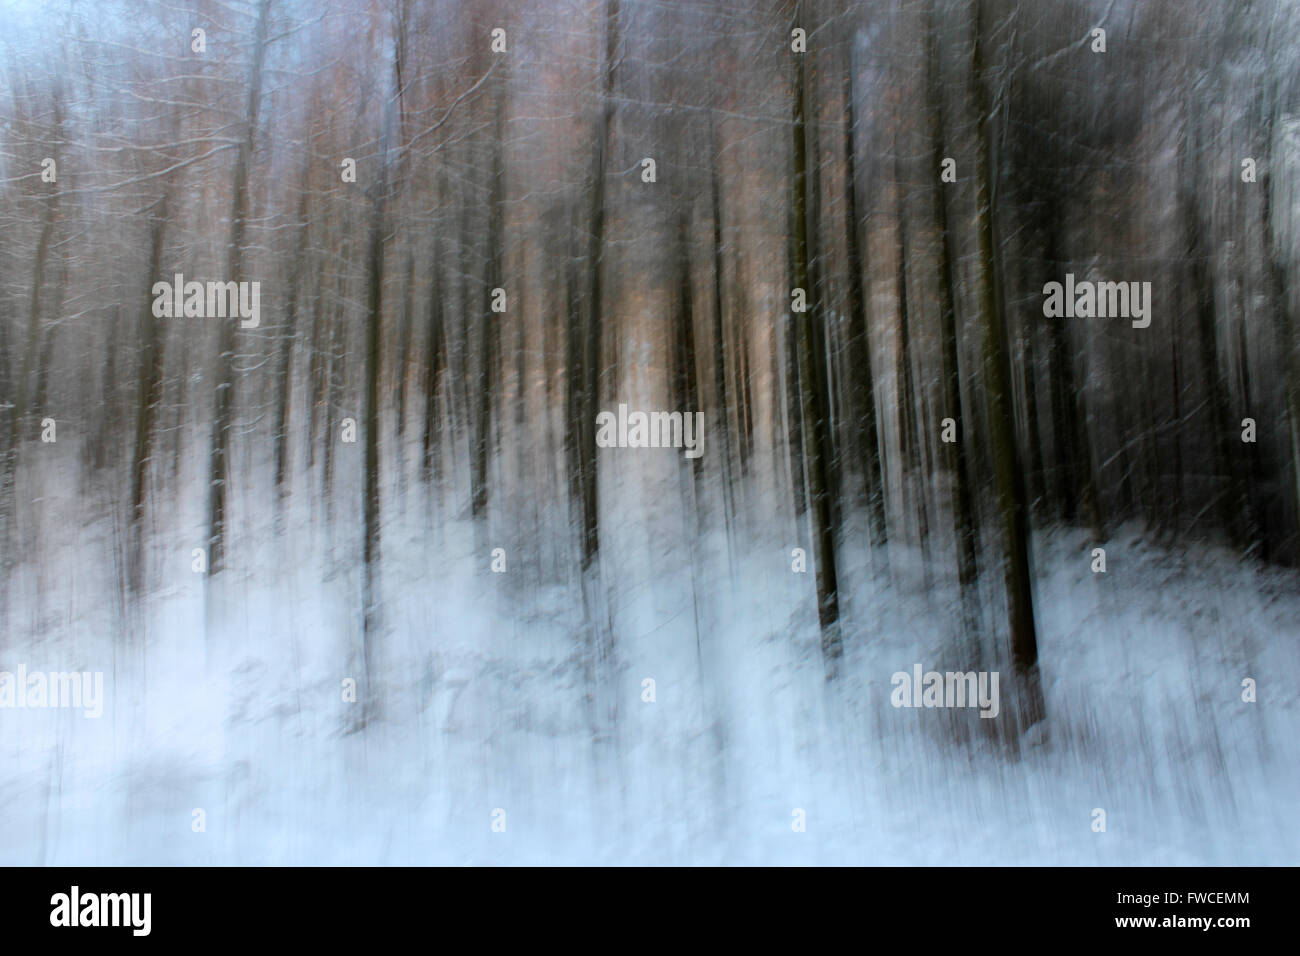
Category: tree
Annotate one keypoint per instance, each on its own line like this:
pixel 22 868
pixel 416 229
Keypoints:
pixel 219 469
pixel 813 406
pixel 1008 476
pixel 962 505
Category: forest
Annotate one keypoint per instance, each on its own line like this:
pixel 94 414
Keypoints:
pixel 578 431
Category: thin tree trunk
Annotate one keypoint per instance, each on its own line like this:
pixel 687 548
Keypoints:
pixel 909 400
pixel 720 417
pixel 219 463
pixel 284 373
pixel 812 391
pixel 436 366
pixel 150 378
pixel 859 340
pixel 962 506
pixel 488 334
pixel 374 354
pixel 1008 476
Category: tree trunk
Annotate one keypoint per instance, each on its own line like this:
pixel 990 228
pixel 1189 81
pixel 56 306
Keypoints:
pixel 859 341
pixel 150 376
pixel 812 395
pixel 284 372
pixel 374 354
pixel 219 464
pixel 1008 476
pixel 962 506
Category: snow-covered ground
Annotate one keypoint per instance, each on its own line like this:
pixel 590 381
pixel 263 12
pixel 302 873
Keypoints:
pixel 235 707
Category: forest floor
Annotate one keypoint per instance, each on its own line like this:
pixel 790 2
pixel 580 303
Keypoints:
pixel 233 705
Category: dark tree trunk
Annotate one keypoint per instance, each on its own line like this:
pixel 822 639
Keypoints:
pixel 1008 474
pixel 813 396
pixel 859 341
pixel 962 506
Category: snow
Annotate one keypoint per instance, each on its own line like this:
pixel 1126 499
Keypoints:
pixel 228 699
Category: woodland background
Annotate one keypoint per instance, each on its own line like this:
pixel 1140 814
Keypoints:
pixel 775 170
